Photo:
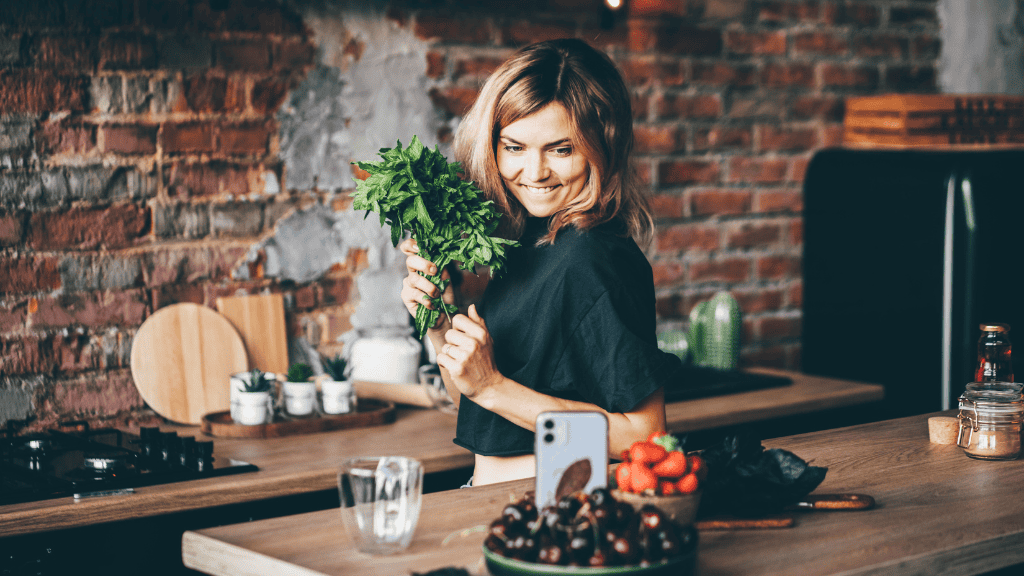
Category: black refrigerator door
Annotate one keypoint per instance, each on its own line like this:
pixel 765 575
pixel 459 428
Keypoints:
pixel 905 253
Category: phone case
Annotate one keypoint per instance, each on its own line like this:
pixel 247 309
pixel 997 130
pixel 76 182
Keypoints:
pixel 572 454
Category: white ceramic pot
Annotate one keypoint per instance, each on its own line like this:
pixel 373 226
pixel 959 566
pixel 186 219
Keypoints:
pixel 299 398
pixel 238 382
pixel 251 408
pixel 337 397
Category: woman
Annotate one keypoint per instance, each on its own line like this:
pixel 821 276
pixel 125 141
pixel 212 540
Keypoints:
pixel 570 325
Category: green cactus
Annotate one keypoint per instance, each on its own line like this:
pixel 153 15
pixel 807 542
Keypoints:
pixel 723 332
pixel 299 372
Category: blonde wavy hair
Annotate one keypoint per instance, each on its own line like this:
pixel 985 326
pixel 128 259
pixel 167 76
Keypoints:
pixel 588 85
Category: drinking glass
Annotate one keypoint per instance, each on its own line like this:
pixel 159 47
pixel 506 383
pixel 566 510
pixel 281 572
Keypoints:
pixel 380 502
pixel 430 379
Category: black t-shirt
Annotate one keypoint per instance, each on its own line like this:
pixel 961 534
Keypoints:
pixel 574 319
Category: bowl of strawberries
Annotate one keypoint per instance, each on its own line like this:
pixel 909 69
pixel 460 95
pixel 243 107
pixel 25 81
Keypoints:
pixel 657 471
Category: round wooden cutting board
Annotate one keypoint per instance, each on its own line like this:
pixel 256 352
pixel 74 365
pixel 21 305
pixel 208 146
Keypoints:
pixel 182 360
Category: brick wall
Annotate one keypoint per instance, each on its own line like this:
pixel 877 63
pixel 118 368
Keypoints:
pixel 139 155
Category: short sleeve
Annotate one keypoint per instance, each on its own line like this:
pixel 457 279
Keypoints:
pixel 607 363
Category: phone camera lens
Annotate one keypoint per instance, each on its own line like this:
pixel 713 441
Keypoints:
pixel 549 438
pixel 549 424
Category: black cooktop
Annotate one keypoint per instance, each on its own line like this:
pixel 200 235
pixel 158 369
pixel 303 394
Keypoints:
pixel 82 463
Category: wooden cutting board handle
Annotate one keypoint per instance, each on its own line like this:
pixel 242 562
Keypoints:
pixel 182 360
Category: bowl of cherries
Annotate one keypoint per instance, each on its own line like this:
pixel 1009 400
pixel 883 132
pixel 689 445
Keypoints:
pixel 592 534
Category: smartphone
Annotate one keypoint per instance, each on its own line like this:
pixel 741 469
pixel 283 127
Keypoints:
pixel 571 449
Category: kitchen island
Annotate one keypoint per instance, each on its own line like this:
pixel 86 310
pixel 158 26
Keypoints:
pixel 296 465
pixel 938 512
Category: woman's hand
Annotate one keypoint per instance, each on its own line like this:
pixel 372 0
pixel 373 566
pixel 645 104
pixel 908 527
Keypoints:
pixel 468 354
pixel 416 289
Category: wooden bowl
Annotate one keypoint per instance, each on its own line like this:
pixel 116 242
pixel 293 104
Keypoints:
pixel 681 508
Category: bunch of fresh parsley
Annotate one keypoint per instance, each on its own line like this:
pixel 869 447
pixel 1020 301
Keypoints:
pixel 418 190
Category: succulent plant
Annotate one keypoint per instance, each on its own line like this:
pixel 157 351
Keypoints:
pixel 258 381
pixel 335 368
pixel 299 372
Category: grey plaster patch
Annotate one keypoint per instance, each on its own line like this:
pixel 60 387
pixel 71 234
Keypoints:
pixel 99 273
pixel 106 94
pixel 15 399
pixel 16 133
pixel 982 46
pixel 20 189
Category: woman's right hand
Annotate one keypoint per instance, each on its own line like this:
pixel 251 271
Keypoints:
pixel 416 289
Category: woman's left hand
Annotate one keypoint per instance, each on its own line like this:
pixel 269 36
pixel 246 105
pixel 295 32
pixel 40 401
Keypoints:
pixel 468 354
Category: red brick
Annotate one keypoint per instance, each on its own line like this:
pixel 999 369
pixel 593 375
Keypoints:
pixel 12 316
pixel 682 237
pixel 658 35
pixel 669 306
pixel 206 180
pixel 435 64
pixel 880 46
pixel 667 206
pixel 290 55
pixel 724 270
pixel 778 267
pixel 109 308
pixel 88 228
pixel 205 93
pixel 129 138
pixel 667 272
pixel 30 354
pixel 268 95
pixel 796 232
pixel 98 395
pixel 688 171
pixel 719 201
pixel 910 78
pixel 779 328
pixel 679 106
pixel 250 55
pixel 724 74
pixel 817 107
pixel 739 42
pixel 758 170
pixel 722 138
pixel 861 13
pixel 832 135
pixel 766 106
pixel 246 138
pixel 765 300
pixel 792 11
pixel 454 100
pixel 640 105
pixel 657 139
pixel 724 9
pixel 779 201
pixel 524 32
pixel 452 29
pixel 605 39
pixel 796 294
pixel 655 8
pixel 188 137
pixel 799 169
pixel 12 228
pixel 782 75
pixel 644 172
pixel 67 137
pixel 754 235
pixel 335 290
pixel 476 67
pixel 820 43
pixel 646 70
pixel 65 53
pixel 925 46
pixel 849 76
pixel 906 16
pixel 34 91
pixel 127 51
pixel 775 138
pixel 168 294
pixel 305 298
pixel 28 274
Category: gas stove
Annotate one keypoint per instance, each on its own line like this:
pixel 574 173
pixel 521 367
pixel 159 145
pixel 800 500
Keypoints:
pixel 80 462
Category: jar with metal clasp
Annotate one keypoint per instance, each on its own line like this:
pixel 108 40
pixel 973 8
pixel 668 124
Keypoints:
pixel 990 420
pixel 386 354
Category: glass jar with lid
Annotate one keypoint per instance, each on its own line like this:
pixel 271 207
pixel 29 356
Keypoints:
pixel 990 420
pixel 386 354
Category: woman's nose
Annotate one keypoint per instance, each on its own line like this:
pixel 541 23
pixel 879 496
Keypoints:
pixel 536 168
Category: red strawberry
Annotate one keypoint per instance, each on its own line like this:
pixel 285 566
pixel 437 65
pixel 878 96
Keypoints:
pixel 688 484
pixel 647 452
pixel 655 435
pixel 698 466
pixel 622 477
pixel 667 487
pixel 641 477
pixel 673 466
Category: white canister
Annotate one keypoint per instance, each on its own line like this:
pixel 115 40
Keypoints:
pixel 299 398
pixel 386 354
pixel 337 397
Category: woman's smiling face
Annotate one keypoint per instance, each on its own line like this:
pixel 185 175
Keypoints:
pixel 539 163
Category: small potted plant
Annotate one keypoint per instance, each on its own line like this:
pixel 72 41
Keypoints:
pixel 337 394
pixel 251 397
pixel 299 391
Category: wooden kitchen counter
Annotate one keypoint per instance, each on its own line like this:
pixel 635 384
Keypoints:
pixel 937 512
pixel 309 463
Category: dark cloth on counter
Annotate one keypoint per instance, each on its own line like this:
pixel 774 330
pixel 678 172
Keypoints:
pixel 574 319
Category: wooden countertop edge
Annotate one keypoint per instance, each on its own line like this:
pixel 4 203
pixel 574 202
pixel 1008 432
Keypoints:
pixel 213 556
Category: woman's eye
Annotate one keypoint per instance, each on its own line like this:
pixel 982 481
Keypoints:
pixel 563 151
pixel 513 148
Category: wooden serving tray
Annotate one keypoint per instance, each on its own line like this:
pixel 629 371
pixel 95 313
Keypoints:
pixel 369 412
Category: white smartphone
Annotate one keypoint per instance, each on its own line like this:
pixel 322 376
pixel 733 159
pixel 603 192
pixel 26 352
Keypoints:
pixel 572 454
